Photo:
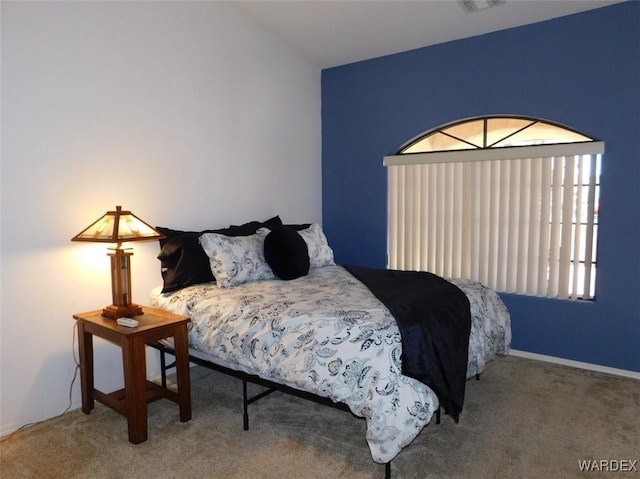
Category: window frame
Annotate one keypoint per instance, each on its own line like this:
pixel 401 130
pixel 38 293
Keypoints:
pixel 442 129
pixel 577 149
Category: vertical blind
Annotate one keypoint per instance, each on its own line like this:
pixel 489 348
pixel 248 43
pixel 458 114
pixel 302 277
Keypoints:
pixel 520 220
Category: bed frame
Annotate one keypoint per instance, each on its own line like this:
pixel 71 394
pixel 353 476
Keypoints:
pixel 252 378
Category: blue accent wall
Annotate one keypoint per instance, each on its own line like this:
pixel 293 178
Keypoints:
pixel 581 70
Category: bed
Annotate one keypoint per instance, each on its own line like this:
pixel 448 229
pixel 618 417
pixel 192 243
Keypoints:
pixel 321 329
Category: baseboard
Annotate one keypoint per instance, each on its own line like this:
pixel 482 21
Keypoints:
pixel 576 364
pixel 6 429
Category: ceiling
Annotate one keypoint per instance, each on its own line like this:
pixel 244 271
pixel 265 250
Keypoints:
pixel 331 33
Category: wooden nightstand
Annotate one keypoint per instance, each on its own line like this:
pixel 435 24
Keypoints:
pixel 131 402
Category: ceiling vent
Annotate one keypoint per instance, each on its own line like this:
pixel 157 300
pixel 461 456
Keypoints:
pixel 474 5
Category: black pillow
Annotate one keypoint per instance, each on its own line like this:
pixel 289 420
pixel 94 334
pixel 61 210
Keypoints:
pixel 249 228
pixel 300 227
pixel 184 262
pixel 246 229
pixel 286 253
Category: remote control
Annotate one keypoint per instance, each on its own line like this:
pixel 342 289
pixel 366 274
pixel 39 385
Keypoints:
pixel 128 322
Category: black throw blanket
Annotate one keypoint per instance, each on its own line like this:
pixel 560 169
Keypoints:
pixel 434 319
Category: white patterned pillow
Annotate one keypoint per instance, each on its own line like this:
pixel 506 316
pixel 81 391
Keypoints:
pixel 320 253
pixel 236 259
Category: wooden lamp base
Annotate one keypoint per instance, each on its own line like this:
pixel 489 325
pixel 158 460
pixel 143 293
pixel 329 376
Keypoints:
pixel 115 312
pixel 121 285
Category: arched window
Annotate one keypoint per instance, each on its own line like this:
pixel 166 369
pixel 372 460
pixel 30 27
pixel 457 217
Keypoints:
pixel 510 201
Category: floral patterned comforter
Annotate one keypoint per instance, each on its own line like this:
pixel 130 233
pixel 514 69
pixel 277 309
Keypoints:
pixel 327 334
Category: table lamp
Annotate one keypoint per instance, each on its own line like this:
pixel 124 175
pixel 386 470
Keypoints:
pixel 117 227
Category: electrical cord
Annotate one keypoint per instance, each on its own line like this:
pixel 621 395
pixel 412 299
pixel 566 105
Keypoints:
pixel 73 380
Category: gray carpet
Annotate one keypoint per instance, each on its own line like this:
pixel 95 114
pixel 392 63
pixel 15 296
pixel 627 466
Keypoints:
pixel 523 418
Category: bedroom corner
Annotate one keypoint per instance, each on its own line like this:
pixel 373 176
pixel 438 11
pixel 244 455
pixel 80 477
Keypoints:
pixel 146 105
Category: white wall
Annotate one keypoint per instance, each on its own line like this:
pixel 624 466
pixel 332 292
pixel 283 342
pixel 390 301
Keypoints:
pixel 186 113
